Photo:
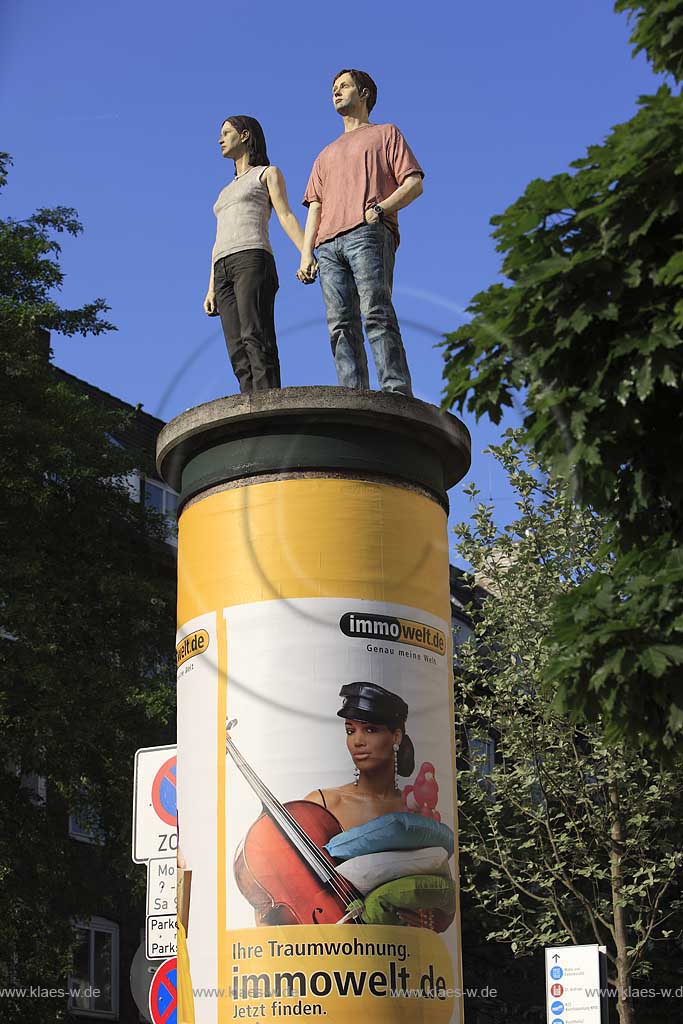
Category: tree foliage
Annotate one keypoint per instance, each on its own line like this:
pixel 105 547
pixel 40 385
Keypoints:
pixel 658 32
pixel 571 838
pixel 30 272
pixel 86 590
pixel 589 327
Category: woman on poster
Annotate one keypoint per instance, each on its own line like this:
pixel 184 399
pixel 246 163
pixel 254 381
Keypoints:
pixel 381 750
pixel 292 847
pixel 243 280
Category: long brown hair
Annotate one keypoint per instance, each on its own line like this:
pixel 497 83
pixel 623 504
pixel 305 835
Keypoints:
pixel 256 143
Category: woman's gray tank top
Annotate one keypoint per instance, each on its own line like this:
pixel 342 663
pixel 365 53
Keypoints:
pixel 242 213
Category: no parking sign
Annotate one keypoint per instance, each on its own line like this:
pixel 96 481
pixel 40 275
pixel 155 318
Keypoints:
pixel 164 792
pixel 154 803
pixel 163 994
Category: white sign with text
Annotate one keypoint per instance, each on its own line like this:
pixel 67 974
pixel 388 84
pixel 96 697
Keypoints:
pixel 161 886
pixel 161 936
pixel 573 984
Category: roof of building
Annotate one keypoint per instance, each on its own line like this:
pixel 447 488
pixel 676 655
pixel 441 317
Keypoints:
pixel 467 593
pixel 143 428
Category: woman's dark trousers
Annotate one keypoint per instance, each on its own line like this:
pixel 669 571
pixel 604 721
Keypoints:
pixel 245 284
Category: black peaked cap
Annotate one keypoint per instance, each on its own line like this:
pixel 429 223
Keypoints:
pixel 368 702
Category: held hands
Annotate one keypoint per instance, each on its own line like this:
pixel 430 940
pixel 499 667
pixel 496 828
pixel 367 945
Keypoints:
pixel 210 307
pixel 308 269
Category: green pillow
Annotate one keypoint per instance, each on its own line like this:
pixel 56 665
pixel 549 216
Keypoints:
pixel 414 893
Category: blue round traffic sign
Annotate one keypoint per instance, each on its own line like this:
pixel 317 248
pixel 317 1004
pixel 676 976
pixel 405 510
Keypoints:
pixel 556 973
pixel 558 1020
pixel 163 994
pixel 557 1007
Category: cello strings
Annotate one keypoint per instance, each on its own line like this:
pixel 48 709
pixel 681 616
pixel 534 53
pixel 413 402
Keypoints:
pixel 342 888
pixel 339 885
pixel 262 790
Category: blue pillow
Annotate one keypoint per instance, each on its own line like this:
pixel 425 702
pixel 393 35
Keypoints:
pixel 400 830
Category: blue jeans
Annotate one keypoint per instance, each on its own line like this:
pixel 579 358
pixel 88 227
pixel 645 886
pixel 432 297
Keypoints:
pixel 356 275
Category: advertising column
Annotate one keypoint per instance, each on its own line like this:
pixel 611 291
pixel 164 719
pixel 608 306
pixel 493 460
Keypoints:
pixel 317 846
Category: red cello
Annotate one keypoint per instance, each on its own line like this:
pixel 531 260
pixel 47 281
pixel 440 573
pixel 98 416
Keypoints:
pixel 281 867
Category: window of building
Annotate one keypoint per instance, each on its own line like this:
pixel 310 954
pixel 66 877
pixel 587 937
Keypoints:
pixel 35 786
pixel 84 822
pixel 85 827
pixel 482 755
pixel 133 482
pixel 462 627
pixel 160 497
pixel 94 981
pixel 164 501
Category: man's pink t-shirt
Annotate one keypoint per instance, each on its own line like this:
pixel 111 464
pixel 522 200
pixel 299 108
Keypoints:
pixel 356 171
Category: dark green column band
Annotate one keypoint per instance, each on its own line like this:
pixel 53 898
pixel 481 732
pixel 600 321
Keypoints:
pixel 345 449
pixel 316 429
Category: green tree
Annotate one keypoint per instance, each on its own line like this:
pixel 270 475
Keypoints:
pixel 658 32
pixel 569 838
pixel 588 328
pixel 86 591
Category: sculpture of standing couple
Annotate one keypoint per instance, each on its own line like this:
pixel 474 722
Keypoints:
pixel 356 187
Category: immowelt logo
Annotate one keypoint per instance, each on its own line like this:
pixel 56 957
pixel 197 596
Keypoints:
pixel 389 628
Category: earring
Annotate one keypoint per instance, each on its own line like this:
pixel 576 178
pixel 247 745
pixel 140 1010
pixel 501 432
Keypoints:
pixel 396 785
pixel 356 775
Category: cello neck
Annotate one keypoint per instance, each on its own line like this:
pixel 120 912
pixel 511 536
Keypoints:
pixel 269 801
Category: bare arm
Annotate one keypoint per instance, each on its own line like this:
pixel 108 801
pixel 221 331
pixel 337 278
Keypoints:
pixel 403 196
pixel 308 266
pixel 277 190
pixel 210 307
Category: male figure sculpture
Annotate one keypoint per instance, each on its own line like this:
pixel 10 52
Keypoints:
pixel 357 185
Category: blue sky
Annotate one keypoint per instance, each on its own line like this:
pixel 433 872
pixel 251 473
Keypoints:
pixel 115 110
